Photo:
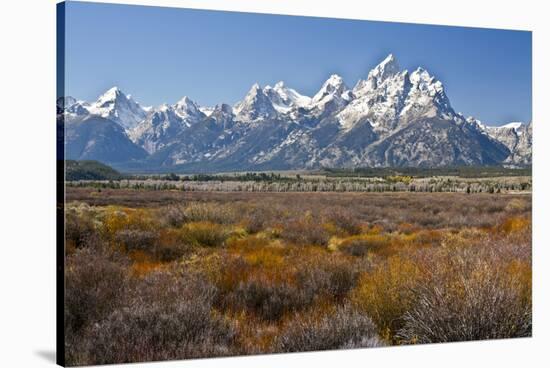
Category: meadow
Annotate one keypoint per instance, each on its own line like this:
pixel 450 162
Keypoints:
pixel 174 274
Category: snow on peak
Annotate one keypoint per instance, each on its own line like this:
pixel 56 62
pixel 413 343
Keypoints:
pixel 387 68
pixel 256 105
pixel 335 81
pixel 513 125
pixel 110 95
pixel 284 99
pixel 188 109
pixel 114 105
pixel 333 96
pixel 390 97
pixel 333 86
pixel 422 79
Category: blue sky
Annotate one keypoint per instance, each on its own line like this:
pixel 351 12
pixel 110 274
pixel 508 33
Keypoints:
pixel 161 54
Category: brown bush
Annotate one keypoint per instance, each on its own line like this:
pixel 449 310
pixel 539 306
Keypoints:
pixel 344 220
pixel 467 297
pixel 305 231
pixel 169 318
pixel 329 277
pixel 209 212
pixel 135 239
pixel 268 300
pixel 94 287
pixel 344 328
pixel 80 227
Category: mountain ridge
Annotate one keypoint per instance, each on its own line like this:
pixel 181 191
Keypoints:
pixel 393 117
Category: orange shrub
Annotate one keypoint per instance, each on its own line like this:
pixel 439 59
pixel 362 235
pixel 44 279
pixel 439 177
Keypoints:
pixel 515 225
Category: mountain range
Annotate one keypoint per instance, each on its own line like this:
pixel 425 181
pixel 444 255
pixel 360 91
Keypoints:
pixel 391 118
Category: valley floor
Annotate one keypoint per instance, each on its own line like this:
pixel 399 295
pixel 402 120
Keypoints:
pixel 171 274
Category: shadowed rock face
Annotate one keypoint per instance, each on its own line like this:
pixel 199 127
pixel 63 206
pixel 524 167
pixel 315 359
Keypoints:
pixel 96 138
pixel 392 118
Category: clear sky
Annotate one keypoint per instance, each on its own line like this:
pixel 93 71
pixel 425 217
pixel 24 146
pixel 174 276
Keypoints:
pixel 158 55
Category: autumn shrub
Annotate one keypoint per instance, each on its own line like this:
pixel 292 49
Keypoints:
pixel 271 282
pixel 204 233
pixel 80 226
pixel 119 220
pixel 267 299
pixel 209 212
pixel 327 277
pixel 172 245
pixel 170 318
pixel 344 328
pixel 428 237
pixel 257 219
pixel 515 224
pixel 305 231
pixel 518 206
pixel 256 282
pixel 173 215
pixel 467 296
pixel 385 293
pixel 363 244
pixel 344 220
pixel 135 239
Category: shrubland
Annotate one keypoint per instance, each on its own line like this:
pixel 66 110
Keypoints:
pixel 173 275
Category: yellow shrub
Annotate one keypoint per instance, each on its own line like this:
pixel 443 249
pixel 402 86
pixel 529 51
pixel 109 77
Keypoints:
pixel 385 293
pixel 522 275
pixel 204 233
pixel 117 219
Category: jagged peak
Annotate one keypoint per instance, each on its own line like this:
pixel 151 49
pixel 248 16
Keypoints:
pixel 111 94
pixel 425 81
pixel 279 85
pixel 185 101
pixel 255 88
pixel 387 68
pixel 186 104
pixel 334 80
pixel 334 85
pixel 256 104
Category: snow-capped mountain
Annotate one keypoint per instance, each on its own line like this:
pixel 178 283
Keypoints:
pixel 71 107
pixel 284 99
pixel 255 106
pixel 118 107
pixel 393 117
pixel 333 96
pixel 390 98
pixel 162 125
